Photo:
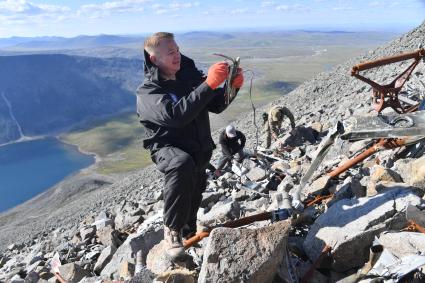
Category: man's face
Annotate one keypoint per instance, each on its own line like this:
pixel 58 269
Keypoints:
pixel 167 57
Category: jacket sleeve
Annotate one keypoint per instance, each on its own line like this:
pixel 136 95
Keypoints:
pixel 242 138
pixel 158 107
pixel 289 114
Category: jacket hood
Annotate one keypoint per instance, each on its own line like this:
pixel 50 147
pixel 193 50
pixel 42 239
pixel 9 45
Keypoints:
pixel 187 66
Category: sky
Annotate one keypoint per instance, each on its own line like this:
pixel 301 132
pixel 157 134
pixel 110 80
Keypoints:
pixel 75 17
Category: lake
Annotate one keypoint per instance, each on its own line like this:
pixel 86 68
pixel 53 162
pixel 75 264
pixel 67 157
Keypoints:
pixel 31 167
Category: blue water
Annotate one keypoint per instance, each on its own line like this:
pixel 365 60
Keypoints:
pixel 29 168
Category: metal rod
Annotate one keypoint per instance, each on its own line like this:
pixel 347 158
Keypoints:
pixel 388 60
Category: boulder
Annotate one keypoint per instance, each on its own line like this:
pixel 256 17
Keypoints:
pixel 402 244
pixel 108 236
pixel 104 258
pixel 208 197
pixel 87 233
pixel 124 221
pixel 220 213
pixel 351 225
pixel 181 275
pixel 72 272
pixel 148 235
pixel 412 171
pixel 102 223
pixel 256 174
pixel 244 255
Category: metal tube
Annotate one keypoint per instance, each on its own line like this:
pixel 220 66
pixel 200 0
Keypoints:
pixel 388 60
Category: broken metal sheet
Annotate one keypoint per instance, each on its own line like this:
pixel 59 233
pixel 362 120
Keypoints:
pixel 385 126
pixel 388 266
pixel 320 154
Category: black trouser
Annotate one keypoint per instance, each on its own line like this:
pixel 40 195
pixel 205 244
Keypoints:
pixel 185 181
pixel 226 159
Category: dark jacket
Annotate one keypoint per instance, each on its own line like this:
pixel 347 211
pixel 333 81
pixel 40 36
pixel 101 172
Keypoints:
pixel 175 112
pixel 230 146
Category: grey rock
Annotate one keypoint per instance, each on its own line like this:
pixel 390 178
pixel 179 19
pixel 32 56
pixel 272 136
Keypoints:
pixel 402 244
pixel 143 276
pixel 220 213
pixel 87 233
pixel 244 255
pixel 17 279
pixel 208 197
pixel 158 195
pixel 148 235
pixel 3 260
pixel 351 224
pixel 412 171
pixel 32 277
pixel 104 258
pixel 72 272
pixel 256 174
pixel 108 236
pixel 124 221
pixel 102 223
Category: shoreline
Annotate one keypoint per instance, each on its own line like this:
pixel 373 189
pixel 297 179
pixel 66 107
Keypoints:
pixel 91 169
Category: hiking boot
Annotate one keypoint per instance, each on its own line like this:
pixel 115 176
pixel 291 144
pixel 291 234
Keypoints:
pixel 174 246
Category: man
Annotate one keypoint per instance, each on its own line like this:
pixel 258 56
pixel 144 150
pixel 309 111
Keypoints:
pixel 173 104
pixel 232 143
pixel 274 121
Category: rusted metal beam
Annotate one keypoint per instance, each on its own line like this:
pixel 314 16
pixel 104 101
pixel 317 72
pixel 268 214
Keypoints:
pixel 388 60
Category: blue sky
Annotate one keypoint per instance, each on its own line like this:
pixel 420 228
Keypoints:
pixel 75 17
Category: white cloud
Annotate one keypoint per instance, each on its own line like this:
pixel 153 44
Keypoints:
pixel 282 8
pixel 295 7
pixel 173 7
pixel 107 8
pixel 24 7
pixel 265 4
pixel 21 12
pixel 239 11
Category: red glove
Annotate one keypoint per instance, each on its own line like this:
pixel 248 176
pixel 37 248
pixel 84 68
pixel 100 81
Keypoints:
pixel 238 80
pixel 217 74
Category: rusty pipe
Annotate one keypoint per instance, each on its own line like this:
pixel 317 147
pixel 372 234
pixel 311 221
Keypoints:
pixel 381 144
pixel 388 60
pixel 195 239
pixel 229 224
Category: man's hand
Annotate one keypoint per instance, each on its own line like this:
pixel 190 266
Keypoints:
pixel 238 80
pixel 217 74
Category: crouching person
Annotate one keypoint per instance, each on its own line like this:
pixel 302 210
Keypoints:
pixel 232 144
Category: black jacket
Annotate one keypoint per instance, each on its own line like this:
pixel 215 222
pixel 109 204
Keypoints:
pixel 175 113
pixel 230 146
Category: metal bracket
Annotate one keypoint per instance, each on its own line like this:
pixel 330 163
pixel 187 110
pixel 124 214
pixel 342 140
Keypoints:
pixel 384 96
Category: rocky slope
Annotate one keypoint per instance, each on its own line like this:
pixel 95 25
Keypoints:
pixel 62 219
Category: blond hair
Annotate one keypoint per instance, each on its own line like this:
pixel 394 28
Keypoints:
pixel 153 41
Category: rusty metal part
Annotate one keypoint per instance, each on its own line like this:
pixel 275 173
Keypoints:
pixel 309 274
pixel 276 215
pixel 380 145
pixel 384 96
pixel 60 278
pixel 317 199
pixel 414 227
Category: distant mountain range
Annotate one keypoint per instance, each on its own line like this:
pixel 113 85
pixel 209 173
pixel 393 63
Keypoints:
pixel 82 41
pixel 95 41
pixel 48 93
